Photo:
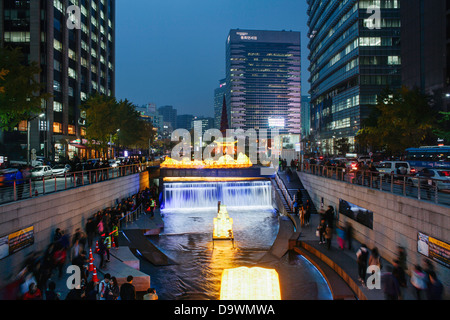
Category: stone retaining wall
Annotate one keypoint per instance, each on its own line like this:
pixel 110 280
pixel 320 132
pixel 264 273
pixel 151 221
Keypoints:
pixel 396 219
pixel 66 210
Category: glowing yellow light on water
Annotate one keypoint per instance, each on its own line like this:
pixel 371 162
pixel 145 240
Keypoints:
pixel 250 284
pixel 223 225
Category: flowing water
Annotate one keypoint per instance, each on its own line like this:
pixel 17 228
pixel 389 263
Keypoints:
pixel 207 194
pixel 187 239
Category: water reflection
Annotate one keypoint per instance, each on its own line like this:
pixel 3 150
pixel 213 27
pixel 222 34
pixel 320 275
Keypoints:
pixel 187 239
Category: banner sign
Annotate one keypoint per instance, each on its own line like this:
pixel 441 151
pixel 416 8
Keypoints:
pixel 16 241
pixel 434 249
pixel 354 212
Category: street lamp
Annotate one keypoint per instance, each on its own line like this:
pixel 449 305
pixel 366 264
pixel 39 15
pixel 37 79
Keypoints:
pixel 28 134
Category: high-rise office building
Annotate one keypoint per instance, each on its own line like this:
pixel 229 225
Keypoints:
pixel 306 116
pixel 184 121
pixel 219 93
pixel 169 114
pixel 206 123
pixel 75 59
pixel 426 47
pixel 351 62
pixel 263 80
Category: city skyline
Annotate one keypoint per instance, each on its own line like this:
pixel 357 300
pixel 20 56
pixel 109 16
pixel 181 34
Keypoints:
pixel 158 73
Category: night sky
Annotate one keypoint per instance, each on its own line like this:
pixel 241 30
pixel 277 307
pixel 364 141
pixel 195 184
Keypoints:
pixel 172 52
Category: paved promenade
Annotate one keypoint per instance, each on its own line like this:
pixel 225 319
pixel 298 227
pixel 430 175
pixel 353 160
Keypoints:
pixel 339 266
pixel 344 261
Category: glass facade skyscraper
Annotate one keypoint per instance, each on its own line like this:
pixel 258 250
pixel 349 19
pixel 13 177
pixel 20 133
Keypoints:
pixel 219 93
pixel 263 80
pixel 74 61
pixel 351 62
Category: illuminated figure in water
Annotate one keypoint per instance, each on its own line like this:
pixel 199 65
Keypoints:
pixel 223 224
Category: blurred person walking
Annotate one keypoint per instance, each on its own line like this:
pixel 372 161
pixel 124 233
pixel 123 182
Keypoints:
pixel 391 287
pixel 419 281
pixel 435 288
pixel 361 258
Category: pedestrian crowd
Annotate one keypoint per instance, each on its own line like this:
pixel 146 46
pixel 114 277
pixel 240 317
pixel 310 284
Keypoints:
pixel 424 280
pixel 100 235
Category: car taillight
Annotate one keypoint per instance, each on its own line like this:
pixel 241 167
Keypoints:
pixel 413 170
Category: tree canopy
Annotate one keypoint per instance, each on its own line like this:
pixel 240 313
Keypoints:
pixel 21 93
pixel 118 121
pixel 401 119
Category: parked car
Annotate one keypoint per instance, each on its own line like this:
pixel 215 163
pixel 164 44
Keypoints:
pixel 41 172
pixel 351 165
pixel 7 177
pixel 61 169
pixel 395 168
pixel 365 159
pixel 439 177
pixel 113 163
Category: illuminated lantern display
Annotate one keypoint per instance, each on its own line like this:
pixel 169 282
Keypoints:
pixel 225 162
pixel 223 225
pixel 250 284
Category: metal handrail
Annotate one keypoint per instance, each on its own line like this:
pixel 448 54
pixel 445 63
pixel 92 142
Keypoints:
pixel 131 216
pixel 407 185
pixel 285 192
pixel 15 190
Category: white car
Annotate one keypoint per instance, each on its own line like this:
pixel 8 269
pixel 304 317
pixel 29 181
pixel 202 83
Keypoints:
pixel 41 172
pixel 61 169
pixel 113 163
pixel 365 159
pixel 396 168
pixel 431 176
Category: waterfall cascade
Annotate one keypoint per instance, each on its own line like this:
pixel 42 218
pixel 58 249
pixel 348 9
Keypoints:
pixel 195 195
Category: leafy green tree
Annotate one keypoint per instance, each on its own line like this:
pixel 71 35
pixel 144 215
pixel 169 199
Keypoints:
pixel 401 119
pixel 101 120
pixel 117 121
pixel 442 130
pixel 21 94
pixel 342 146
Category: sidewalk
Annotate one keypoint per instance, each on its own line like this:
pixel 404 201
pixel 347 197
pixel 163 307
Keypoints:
pixel 144 223
pixel 342 261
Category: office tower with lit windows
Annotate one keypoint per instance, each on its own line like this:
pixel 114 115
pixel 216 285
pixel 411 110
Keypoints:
pixel 169 114
pixel 75 62
pixel 219 93
pixel 352 59
pixel 263 80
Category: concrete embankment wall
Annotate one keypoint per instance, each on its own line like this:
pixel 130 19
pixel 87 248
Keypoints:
pixel 66 210
pixel 397 220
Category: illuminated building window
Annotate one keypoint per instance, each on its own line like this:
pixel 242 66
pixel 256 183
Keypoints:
pixel 23 125
pixel 57 127
pixel 57 106
pixel 71 130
